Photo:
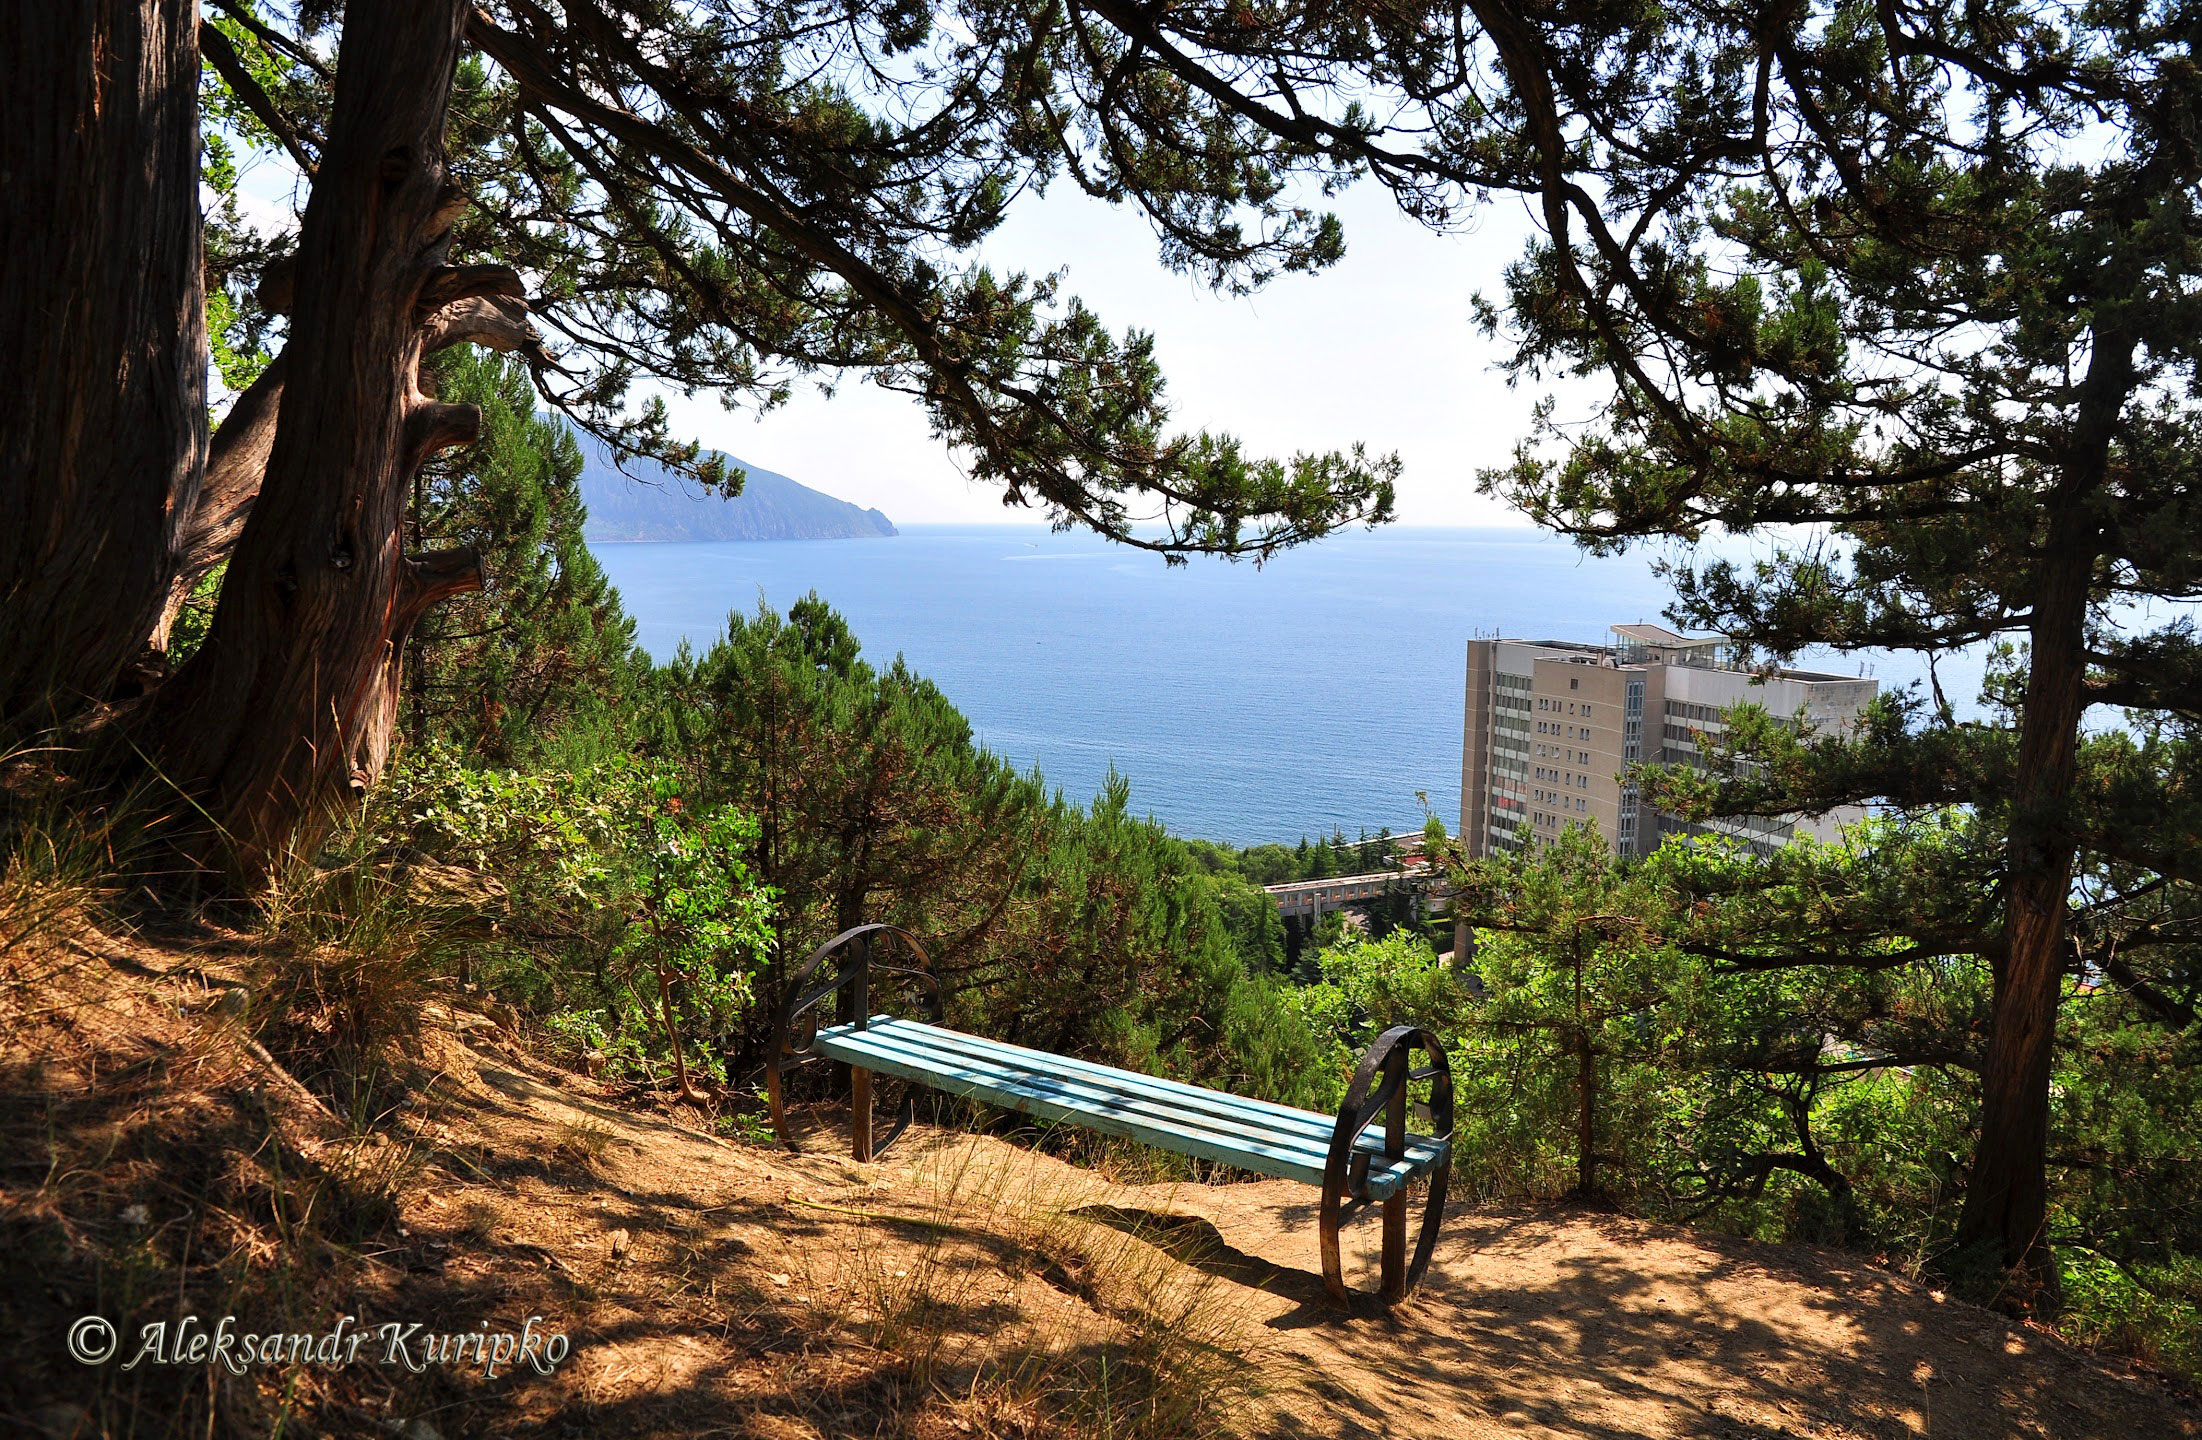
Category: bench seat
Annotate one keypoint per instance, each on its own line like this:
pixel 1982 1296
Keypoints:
pixel 1250 1134
pixel 1364 1156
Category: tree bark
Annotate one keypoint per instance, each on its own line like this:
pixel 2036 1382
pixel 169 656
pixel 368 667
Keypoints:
pixel 102 338
pixel 286 710
pixel 2007 1197
pixel 235 463
pixel 238 457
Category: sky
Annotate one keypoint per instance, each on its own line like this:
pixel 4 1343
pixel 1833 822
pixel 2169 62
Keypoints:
pixel 1380 348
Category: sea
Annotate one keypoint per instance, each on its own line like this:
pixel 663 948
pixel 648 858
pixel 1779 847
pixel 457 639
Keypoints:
pixel 1319 692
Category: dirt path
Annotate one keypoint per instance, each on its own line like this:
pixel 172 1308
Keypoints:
pixel 1581 1325
pixel 714 1286
pixel 1556 1324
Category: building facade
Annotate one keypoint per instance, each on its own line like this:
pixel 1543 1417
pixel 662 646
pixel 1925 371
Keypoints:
pixel 1551 726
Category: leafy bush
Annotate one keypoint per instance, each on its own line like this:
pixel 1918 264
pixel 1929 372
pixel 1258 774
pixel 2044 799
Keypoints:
pixel 623 915
pixel 697 920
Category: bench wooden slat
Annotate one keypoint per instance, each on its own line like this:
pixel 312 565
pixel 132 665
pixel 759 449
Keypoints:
pixel 1041 1096
pixel 944 1051
pixel 1270 1139
pixel 1028 1094
pixel 1215 1109
pixel 1222 1104
pixel 1219 1106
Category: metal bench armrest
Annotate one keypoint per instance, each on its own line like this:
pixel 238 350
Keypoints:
pixel 1379 1088
pixel 851 979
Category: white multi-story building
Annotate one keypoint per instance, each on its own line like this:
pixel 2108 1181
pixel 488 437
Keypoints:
pixel 1551 727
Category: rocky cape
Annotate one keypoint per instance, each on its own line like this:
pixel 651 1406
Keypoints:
pixel 660 504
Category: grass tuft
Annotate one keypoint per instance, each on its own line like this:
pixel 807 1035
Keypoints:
pixel 1035 1320
pixel 352 957
pixel 62 859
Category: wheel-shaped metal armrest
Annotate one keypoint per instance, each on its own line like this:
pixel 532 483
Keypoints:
pixel 1380 1088
pixel 795 1017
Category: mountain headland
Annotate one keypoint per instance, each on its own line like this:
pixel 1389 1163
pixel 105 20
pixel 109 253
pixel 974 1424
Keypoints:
pixel 660 504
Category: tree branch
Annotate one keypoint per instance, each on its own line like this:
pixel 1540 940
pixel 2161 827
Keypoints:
pixel 497 322
pixel 236 460
pixel 437 575
pixel 273 39
pixel 223 56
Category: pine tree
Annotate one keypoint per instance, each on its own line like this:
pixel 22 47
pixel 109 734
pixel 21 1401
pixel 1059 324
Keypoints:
pixel 874 800
pixel 542 661
pixel 1854 272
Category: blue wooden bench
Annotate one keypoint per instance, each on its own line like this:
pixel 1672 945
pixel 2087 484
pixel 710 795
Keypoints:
pixel 1365 1155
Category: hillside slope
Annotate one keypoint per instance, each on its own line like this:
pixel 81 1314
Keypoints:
pixel 151 1164
pixel 660 505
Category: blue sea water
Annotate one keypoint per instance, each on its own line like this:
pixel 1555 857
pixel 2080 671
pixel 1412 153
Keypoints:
pixel 1320 691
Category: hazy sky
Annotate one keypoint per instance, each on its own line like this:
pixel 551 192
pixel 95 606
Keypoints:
pixel 1380 349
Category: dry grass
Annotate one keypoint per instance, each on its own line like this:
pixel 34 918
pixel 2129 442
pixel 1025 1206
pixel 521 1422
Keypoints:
pixel 149 1169
pixel 584 1142
pixel 58 864
pixel 154 1160
pixel 152 1165
pixel 1033 1318
pixel 348 964
pixel 266 1127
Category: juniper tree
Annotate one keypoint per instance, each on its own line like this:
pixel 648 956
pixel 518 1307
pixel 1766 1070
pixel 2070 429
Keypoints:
pixel 715 196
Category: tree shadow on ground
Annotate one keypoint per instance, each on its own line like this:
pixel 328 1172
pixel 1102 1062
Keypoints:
pixel 1592 1326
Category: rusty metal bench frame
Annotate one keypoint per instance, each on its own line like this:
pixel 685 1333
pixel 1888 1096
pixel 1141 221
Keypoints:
pixel 1354 1165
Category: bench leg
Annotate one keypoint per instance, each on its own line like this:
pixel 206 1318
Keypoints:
pixel 1346 1168
pixel 860 1113
pixel 1394 1279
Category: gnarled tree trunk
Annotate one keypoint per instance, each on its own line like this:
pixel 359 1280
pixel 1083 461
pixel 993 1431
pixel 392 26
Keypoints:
pixel 235 462
pixel 287 708
pixel 238 457
pixel 102 337
pixel 2007 1195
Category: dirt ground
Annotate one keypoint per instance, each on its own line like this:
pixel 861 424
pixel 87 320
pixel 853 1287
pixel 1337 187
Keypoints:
pixel 716 1286
pixel 1554 1324
pixel 1585 1325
